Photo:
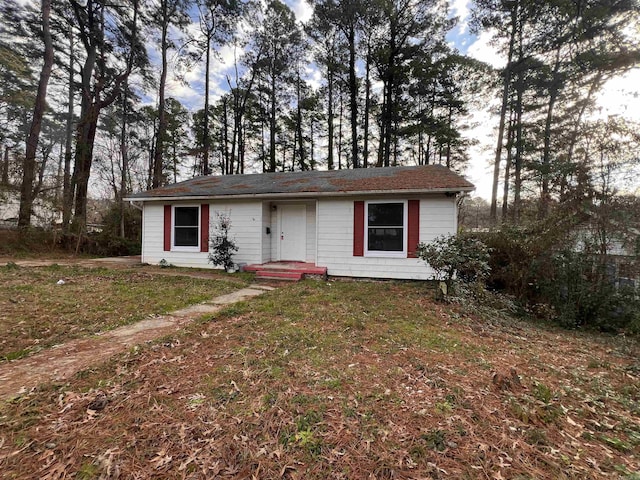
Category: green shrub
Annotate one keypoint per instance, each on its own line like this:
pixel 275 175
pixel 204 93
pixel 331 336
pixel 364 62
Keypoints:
pixel 461 256
pixel 582 293
pixel 536 265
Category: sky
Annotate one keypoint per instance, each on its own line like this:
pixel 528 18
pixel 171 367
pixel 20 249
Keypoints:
pixel 621 96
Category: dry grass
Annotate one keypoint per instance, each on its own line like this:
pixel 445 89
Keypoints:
pixel 36 312
pixel 344 380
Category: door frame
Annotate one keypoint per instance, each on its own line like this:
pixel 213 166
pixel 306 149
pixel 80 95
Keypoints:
pixel 280 210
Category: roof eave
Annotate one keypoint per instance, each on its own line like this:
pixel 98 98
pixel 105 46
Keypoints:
pixel 299 194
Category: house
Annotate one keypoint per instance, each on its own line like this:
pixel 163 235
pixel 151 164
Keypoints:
pixel 357 223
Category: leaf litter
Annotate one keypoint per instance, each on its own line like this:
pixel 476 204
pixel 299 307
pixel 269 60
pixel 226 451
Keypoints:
pixel 359 380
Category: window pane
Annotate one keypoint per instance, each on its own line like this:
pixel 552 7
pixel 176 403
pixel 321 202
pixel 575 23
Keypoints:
pixel 186 237
pixel 386 239
pixel 186 216
pixel 386 214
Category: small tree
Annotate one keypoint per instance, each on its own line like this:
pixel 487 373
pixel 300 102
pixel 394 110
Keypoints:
pixel 221 246
pixel 466 258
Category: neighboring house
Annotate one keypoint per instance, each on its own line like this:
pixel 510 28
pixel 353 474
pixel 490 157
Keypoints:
pixel 619 252
pixel 44 213
pixel 357 223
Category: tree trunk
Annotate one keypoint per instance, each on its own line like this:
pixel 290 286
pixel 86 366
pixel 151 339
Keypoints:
pixel 228 164
pixel 236 127
pixel 353 95
pixel 381 127
pixel 85 137
pixel 124 155
pixel 312 162
pixel 546 153
pixel 367 106
pixel 330 119
pixel 301 159
pixel 67 193
pixel 152 155
pixel 503 113
pixel 28 173
pixel 507 167
pixel 517 181
pixel 162 119
pixel 448 149
pixel 5 166
pixel 340 132
pixel 90 111
pixel 388 121
pixel 272 126
pixel 206 170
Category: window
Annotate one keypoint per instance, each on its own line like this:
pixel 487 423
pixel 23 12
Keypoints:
pixel 186 227
pixel 385 229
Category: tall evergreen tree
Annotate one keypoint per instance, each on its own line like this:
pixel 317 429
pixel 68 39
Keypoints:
pixel 279 38
pixel 167 14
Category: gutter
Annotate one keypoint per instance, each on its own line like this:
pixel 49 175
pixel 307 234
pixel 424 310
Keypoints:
pixel 298 195
pixel 133 203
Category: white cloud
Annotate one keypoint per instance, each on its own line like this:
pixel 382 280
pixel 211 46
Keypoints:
pixel 302 10
pixel 314 78
pixel 481 49
pixel 621 96
pixel 460 9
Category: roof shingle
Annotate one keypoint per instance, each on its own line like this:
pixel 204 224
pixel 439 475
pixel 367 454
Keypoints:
pixel 421 179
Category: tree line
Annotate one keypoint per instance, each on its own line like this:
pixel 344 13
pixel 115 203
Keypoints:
pixel 83 95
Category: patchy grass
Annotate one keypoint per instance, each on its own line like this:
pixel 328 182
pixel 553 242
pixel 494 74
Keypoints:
pixel 341 380
pixel 33 243
pixel 36 312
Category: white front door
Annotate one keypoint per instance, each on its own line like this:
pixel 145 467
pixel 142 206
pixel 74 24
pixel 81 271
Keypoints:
pixel 292 244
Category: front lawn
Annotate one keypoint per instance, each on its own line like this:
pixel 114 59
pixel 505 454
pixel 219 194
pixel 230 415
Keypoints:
pixel 37 312
pixel 342 380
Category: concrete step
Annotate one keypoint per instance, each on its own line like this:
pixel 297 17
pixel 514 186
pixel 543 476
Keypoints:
pixel 279 275
pixel 306 269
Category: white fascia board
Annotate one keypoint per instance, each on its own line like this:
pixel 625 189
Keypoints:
pixel 301 195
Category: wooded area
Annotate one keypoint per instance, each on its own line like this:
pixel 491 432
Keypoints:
pixel 83 96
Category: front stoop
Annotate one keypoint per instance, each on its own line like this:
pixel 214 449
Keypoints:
pixel 287 271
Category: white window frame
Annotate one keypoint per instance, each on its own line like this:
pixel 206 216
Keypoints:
pixel 174 247
pixel 405 228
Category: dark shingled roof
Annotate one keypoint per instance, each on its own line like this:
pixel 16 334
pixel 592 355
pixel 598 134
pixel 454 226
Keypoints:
pixel 422 179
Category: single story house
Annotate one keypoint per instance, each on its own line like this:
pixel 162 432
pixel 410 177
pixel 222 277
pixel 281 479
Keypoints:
pixel 356 223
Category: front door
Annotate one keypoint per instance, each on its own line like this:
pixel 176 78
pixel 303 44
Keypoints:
pixel 292 233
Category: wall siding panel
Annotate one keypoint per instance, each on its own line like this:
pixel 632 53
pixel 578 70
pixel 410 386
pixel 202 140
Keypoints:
pixel 335 240
pixel 333 243
pixel 246 223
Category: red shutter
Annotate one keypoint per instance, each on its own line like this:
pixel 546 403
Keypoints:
pixel 413 232
pixel 358 228
pixel 167 228
pixel 204 227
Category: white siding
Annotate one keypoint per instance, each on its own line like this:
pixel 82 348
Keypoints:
pixel 246 224
pixel 311 232
pixel 275 235
pixel 266 238
pixel 335 240
pixel 333 220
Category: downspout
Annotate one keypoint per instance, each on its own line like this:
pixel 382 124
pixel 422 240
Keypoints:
pixel 135 205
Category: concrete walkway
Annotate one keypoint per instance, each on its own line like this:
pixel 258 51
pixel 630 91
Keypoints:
pixel 62 361
pixel 85 262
